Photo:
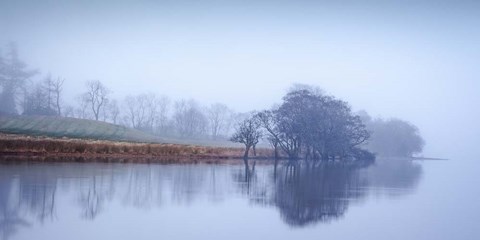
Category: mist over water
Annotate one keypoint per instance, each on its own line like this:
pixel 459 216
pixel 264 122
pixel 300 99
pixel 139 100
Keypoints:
pixel 319 77
pixel 414 61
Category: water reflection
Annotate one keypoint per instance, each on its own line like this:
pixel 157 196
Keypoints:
pixel 306 194
pixel 31 192
pixel 10 219
pixel 309 195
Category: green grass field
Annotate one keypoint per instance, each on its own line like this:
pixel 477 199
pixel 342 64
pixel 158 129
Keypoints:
pixel 59 127
pixel 71 128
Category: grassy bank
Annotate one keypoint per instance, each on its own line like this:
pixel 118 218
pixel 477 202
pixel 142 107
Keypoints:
pixel 14 144
pixel 58 127
pixel 61 127
pixel 69 138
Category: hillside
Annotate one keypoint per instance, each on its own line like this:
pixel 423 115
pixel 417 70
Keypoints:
pixel 59 127
pixel 71 128
pixel 70 137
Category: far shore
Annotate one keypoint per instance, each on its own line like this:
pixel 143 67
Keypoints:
pixel 429 158
pixel 17 147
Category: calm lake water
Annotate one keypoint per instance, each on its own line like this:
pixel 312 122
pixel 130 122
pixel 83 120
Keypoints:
pixel 388 200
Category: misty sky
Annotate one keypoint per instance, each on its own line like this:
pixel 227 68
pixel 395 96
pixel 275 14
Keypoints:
pixel 415 60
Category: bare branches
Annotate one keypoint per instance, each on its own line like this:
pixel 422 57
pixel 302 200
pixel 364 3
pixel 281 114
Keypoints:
pixel 248 132
pixel 44 97
pixel 147 112
pixel 314 124
pixel 57 88
pixel 112 111
pixel 189 120
pixel 219 118
pixel 96 96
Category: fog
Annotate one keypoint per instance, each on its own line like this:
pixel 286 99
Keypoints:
pixel 415 60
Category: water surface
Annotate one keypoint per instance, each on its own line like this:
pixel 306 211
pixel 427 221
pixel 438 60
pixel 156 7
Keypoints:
pixel 388 200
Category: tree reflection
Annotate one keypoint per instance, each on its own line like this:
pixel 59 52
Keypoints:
pixel 306 195
pixel 139 186
pixel 187 182
pixel 394 177
pixel 91 200
pixel 303 194
pixel 11 220
pixel 245 178
pixel 38 193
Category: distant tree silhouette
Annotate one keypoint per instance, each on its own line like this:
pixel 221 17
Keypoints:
pixel 189 120
pixel 319 126
pixel 393 137
pixel 13 75
pixel 218 116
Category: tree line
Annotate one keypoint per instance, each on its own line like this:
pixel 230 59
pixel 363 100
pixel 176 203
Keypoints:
pixel 308 123
pixel 149 112
pixel 153 113
pixel 392 137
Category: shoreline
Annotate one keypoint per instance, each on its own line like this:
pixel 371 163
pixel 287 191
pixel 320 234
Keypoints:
pixel 13 145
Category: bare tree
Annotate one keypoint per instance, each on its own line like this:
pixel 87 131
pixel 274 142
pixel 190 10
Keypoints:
pixel 139 110
pixel 69 111
pixel 57 88
pixel 96 96
pixel 112 111
pixel 320 126
pixel 48 89
pixel 131 114
pixel 81 110
pixel 37 101
pixel 151 110
pixel 281 131
pixel 249 133
pixel 147 112
pixel 42 98
pixel 161 117
pixel 189 120
pixel 218 119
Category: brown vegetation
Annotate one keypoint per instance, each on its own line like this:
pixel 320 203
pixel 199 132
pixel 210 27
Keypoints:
pixel 11 144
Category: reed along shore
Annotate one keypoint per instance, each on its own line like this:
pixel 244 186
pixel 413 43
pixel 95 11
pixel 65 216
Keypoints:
pixel 65 148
